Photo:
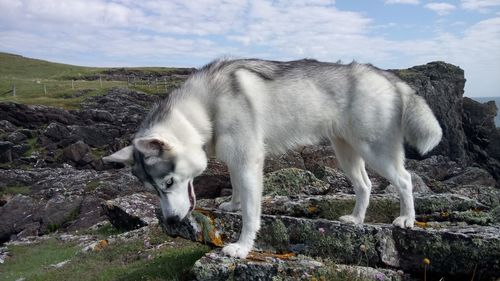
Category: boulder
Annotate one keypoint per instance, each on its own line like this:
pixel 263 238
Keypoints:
pixel 6 126
pixel 132 211
pixel 293 181
pixel 5 151
pixel 78 153
pixel 442 86
pixel 18 213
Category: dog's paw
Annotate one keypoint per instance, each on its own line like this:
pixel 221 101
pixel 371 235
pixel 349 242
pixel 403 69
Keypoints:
pixel 236 250
pixel 229 206
pixel 404 221
pixel 351 219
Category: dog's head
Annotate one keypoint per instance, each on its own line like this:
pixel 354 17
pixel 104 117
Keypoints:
pixel 167 169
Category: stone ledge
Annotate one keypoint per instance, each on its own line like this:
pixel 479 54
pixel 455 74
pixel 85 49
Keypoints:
pixel 453 251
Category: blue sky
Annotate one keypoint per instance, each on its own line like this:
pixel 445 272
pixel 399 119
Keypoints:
pixel 387 33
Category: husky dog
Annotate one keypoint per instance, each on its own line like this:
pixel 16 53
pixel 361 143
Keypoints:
pixel 242 110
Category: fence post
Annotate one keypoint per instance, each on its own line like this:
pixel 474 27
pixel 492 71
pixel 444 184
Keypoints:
pixel 72 84
pixel 14 90
pixel 45 89
pixel 156 84
pixel 100 80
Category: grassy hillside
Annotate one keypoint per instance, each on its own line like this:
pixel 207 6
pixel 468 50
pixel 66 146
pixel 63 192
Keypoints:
pixel 42 82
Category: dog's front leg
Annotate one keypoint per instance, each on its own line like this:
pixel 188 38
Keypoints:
pixel 247 178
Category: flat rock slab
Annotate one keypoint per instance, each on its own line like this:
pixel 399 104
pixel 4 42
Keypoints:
pixel 454 252
pixel 132 211
pixel 214 266
pixel 383 208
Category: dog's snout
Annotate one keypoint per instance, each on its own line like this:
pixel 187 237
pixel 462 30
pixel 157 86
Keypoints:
pixel 173 220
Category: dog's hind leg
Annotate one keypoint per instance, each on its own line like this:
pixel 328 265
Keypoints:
pixel 354 167
pixel 388 161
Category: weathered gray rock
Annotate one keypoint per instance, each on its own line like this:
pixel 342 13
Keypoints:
pixel 5 151
pixel 290 159
pixel 132 211
pixel 78 153
pixel 383 208
pixel 442 86
pixel 293 181
pixel 214 266
pixel 381 245
pixel 17 214
pixel 7 126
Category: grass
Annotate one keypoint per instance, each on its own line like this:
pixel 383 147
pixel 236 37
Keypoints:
pixel 15 189
pixel 62 85
pixel 118 261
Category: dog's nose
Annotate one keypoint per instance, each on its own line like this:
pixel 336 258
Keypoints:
pixel 173 220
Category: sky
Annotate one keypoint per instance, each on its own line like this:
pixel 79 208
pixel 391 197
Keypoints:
pixel 191 33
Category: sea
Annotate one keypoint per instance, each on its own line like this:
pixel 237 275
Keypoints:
pixel 497 101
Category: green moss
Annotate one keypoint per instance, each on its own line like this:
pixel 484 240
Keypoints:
pixel 344 246
pixel 92 185
pixel 495 214
pixel 290 181
pixel 276 235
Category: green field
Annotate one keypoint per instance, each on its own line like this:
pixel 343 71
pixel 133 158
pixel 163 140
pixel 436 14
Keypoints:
pixel 62 85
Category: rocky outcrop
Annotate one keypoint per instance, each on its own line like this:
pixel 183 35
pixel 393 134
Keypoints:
pixel 483 142
pixel 373 245
pixel 58 199
pixel 442 86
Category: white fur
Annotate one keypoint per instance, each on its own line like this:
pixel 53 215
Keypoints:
pixel 366 122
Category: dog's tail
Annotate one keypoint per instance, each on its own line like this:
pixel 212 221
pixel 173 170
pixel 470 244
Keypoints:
pixel 420 127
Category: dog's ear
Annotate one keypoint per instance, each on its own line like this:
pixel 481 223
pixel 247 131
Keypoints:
pixel 151 145
pixel 124 156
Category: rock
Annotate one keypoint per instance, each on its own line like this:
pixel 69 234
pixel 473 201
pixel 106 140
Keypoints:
pixel 471 176
pixel 18 213
pixel 96 135
pixel 290 159
pixel 16 137
pixel 5 151
pixel 33 116
pixel 318 156
pixel 133 211
pixel 493 148
pixel 293 181
pixel 487 195
pixel 7 126
pixel 383 208
pixel 56 132
pixel 79 153
pixel 90 213
pixel 470 246
pixel 442 86
pixel 214 266
pixel 434 168
pixel 335 178
pixel 419 185
pixel 213 180
pixel 59 211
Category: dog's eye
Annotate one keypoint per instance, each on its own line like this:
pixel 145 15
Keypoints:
pixel 169 182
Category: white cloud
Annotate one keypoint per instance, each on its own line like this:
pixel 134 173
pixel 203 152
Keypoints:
pixel 412 2
pixel 480 5
pixel 440 8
